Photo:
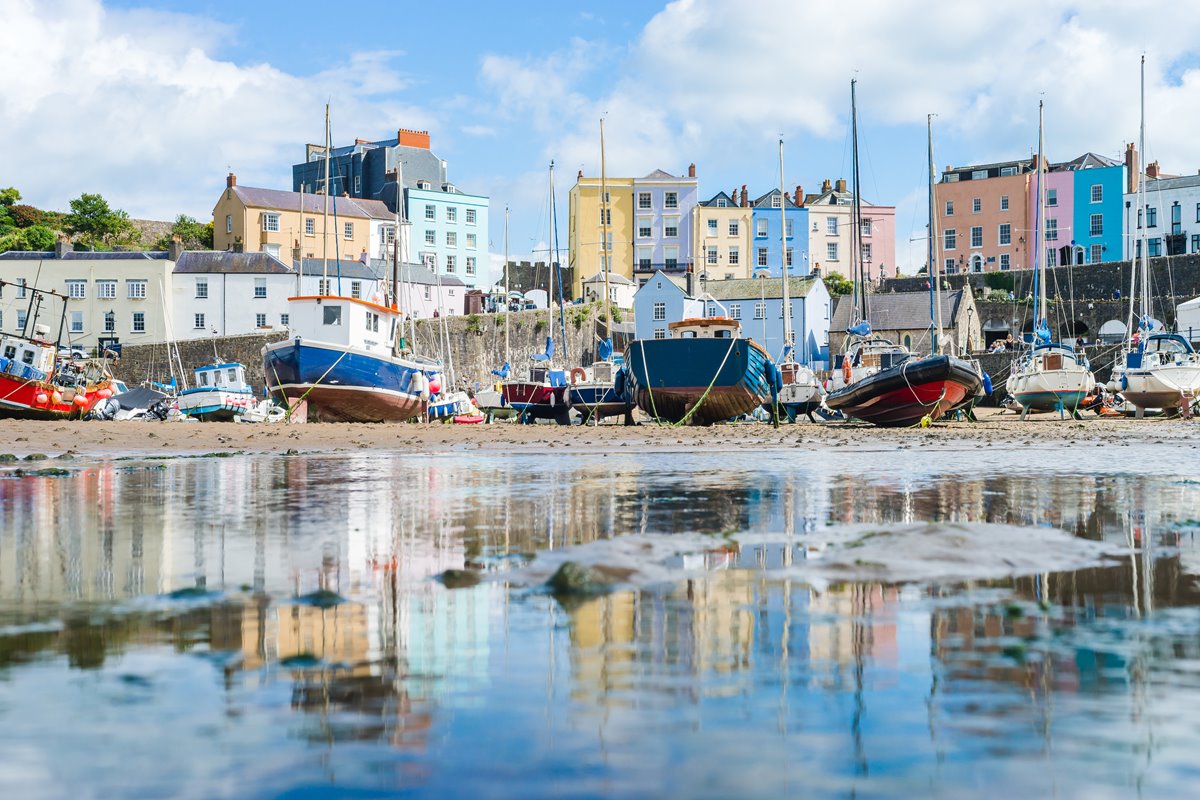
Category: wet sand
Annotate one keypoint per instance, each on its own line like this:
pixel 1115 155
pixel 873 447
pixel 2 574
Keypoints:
pixel 161 438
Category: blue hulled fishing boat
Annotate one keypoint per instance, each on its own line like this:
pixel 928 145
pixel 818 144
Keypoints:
pixel 704 372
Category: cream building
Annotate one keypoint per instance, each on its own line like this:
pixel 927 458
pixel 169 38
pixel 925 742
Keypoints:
pixel 291 225
pixel 723 246
pixel 586 229
pixel 830 215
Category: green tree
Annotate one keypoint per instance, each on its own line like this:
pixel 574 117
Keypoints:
pixel 195 235
pixel 39 237
pixel 837 284
pixel 9 196
pixel 91 219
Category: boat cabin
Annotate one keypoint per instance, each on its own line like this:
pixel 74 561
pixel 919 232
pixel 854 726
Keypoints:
pixel 547 375
pixel 347 321
pixel 873 352
pixel 1161 349
pixel 27 359
pixel 230 377
pixel 706 328
pixel 603 371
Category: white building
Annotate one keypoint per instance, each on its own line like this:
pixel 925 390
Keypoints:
pixel 620 289
pixel 370 280
pixel 226 294
pixel 1171 216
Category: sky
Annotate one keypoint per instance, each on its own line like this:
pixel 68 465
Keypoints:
pixel 151 102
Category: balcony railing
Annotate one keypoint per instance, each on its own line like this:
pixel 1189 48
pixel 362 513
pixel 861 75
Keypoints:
pixel 669 267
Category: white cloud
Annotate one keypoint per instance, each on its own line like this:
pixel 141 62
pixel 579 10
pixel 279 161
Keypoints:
pixel 134 106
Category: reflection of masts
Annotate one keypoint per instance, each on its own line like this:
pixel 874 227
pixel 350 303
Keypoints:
pixel 858 646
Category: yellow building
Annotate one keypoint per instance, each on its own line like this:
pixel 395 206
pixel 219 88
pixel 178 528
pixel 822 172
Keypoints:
pixel 722 246
pixel 288 225
pixel 586 229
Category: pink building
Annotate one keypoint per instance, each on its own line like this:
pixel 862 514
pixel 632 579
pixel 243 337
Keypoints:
pixel 1060 212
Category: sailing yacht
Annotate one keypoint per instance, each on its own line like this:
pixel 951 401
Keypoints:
pixel 543 392
pixel 1049 375
pixel 879 381
pixel 1158 369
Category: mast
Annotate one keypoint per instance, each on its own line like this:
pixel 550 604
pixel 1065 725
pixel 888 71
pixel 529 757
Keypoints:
pixel 562 310
pixel 787 306
pixel 1040 233
pixel 606 256
pixel 1142 203
pixel 935 273
pixel 856 224
pixel 550 285
pixel 325 221
pixel 506 311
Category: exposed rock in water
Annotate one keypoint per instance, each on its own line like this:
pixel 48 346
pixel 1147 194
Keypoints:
pixel 459 578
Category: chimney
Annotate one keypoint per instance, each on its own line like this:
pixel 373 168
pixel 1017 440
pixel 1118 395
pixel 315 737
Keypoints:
pixel 579 176
pixel 175 248
pixel 230 181
pixel 826 186
pixel 409 138
pixel 62 246
pixel 691 282
pixel 1152 170
pixel 841 185
pixel 745 202
pixel 799 195
pixel 1033 163
pixel 1132 175
pixel 692 170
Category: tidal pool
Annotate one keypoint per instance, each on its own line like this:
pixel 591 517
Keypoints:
pixel 269 626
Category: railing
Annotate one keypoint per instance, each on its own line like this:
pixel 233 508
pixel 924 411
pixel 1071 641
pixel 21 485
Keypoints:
pixel 663 267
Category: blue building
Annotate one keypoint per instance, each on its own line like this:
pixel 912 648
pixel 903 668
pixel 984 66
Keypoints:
pixel 662 230
pixel 1099 208
pixel 757 303
pixel 448 229
pixel 765 239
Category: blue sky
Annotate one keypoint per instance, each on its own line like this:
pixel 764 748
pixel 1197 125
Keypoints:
pixel 150 102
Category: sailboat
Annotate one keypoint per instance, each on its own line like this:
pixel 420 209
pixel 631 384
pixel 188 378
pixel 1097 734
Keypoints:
pixel 1049 375
pixel 343 360
pixel 800 392
pixel 543 392
pixel 594 389
pixel 1158 369
pixel 879 381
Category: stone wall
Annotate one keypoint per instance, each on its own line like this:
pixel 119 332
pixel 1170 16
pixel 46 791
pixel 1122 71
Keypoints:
pixel 149 362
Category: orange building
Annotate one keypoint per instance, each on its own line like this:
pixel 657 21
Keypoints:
pixel 982 216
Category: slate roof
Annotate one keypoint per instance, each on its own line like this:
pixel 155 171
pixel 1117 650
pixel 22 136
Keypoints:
pixel 1085 161
pixel 765 200
pixel 221 261
pixel 753 288
pixel 718 197
pixel 273 199
pixel 899 311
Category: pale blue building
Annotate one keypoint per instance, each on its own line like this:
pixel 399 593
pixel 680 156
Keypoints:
pixel 764 235
pixel 449 233
pixel 663 207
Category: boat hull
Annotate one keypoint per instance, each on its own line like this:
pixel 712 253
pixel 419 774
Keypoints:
pixel 598 400
pixel 1051 389
pixel 1166 387
pixel 343 385
pixel 536 400
pixel 668 378
pixel 18 400
pixel 214 405
pixel 905 394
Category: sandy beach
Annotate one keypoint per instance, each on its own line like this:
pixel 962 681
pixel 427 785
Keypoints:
pixel 22 438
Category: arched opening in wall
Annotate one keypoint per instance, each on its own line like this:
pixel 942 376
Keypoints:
pixel 1074 330
pixel 1079 254
pixel 976 263
pixel 1112 332
pixel 995 328
pixel 908 341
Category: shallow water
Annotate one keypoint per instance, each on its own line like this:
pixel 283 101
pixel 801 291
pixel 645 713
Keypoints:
pixel 159 635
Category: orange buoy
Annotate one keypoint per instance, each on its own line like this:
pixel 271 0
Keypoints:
pixel 846 369
pixel 81 400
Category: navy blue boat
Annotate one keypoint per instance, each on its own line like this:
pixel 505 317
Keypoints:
pixel 705 372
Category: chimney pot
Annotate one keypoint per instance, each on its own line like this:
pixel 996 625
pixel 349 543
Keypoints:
pixel 745 201
pixel 175 248
pixel 1152 169
pixel 841 185
pixel 62 246
pixel 230 181
pixel 826 186
pixel 692 170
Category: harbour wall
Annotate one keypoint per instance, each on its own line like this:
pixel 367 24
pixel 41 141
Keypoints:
pixel 149 362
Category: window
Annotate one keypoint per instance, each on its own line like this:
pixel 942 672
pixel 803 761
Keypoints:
pixel 229 223
pixel 1051 256
pixel 1197 212
pixel 333 315
pixel 201 288
pixel 644 200
pixel 348 231
pixel 1195 243
pixel 356 289
pixel 450 263
pixel 323 286
pixel 1005 233
pixel 1154 247
pixel 788 256
pixel 762 256
pixel 451 239
pixel 760 310
pixel 310 226
pixel 865 228
pixel 1052 197
pixel 76 322
pixel 734 227
pixel 20 321
pixel 866 254
pixel 606 216
pixel 760 228
pixel 1005 264
pixel 734 255
pixel 735 311
pixel 671 200
pixel 106 290
pixel 1097 193
pixel 136 289
pixel 271 222
pixel 469 216
pixel 110 322
pixel 670 227
pixel 976 205
pixel 1004 202
pixel 710 255
pixel 21 288
pixel 471 240
pixel 712 227
pixel 1051 230
pixel 949 208
pixel 1004 171
pixel 1176 219
pixel 1139 218
pixel 139 322
pixel 660 311
pixel 77 289
pixel 260 320
pixel 670 257
pixel 977 236
pixel 644 227
pixel 271 250
pixel 949 267
pixel 788 228
pixel 451 214
pixel 644 254
pixel 283 319
pixel 659 333
pixel 979 174
pixel 949 239
pixel 831 226
pixel 831 251
pixel 427 294
pixel 357 185
pixel 431 213
pixel 776 201
pixel 431 237
pixel 470 265
pixel 1098 253
pixel 198 322
pixel 1096 225
pixel 260 288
